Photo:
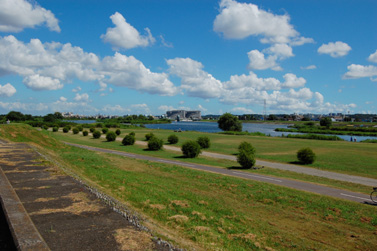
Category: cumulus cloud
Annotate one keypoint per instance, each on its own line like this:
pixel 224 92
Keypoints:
pixel 49 66
pixel 124 35
pixel 258 61
pixel 309 67
pixel 165 108
pixel 194 81
pixel 82 97
pixel 373 57
pixel 292 81
pixel 360 71
pixel 140 109
pixel 63 99
pixel 7 90
pixel 242 110
pixel 16 15
pixel 240 20
pixel 337 49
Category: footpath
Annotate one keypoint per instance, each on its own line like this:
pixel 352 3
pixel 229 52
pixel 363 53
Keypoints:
pixel 48 210
pixel 287 167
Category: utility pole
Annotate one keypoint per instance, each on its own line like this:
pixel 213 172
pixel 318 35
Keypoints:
pixel 264 110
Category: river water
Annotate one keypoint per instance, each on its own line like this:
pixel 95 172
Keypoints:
pixel 212 127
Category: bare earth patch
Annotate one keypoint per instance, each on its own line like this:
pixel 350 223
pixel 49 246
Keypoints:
pixel 180 203
pixel 130 239
pixel 179 218
pixel 157 206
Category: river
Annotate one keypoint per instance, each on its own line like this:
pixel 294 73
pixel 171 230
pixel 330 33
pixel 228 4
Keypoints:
pixel 212 127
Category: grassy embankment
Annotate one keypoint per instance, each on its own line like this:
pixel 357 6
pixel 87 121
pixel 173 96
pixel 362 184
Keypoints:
pixel 344 157
pixel 208 211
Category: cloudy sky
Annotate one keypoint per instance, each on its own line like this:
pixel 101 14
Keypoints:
pixel 146 56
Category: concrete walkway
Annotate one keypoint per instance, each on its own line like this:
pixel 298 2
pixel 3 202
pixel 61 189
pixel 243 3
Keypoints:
pixel 288 167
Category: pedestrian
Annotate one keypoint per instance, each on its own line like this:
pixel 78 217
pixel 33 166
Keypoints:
pixel 354 139
pixel 351 139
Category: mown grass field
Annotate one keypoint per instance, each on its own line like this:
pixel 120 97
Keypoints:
pixel 205 211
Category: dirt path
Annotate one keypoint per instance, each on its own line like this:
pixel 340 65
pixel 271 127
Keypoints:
pixel 65 213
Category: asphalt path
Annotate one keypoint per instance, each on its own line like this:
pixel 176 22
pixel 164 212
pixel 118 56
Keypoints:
pixel 299 185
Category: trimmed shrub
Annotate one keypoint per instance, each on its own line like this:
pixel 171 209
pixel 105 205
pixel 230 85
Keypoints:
pixel 204 142
pixel 306 156
pixel 246 147
pixel 105 130
pixel 132 134
pixel 75 130
pixel 96 134
pixel 111 136
pixel 85 133
pixel 117 132
pixel 173 139
pixel 55 129
pixel 45 127
pixel 80 128
pixel 128 140
pixel 191 149
pixel 155 143
pixel 148 136
pixel 92 129
pixel 99 125
pixel 66 129
pixel 246 159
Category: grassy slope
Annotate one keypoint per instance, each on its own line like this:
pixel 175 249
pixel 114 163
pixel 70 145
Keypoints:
pixel 217 212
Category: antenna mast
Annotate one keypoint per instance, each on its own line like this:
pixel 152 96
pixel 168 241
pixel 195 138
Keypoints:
pixel 264 110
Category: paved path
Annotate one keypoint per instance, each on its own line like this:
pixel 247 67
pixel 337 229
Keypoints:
pixel 293 168
pixel 309 187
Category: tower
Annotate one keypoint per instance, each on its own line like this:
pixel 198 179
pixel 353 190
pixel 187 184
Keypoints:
pixel 265 109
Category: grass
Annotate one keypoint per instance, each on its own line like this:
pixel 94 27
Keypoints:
pixel 205 211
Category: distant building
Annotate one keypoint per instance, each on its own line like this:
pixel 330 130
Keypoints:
pixel 183 115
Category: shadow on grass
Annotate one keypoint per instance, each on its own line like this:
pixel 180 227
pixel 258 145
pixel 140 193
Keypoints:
pixel 237 168
pixel 296 163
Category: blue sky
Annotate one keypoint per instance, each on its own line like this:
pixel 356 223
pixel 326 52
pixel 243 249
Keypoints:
pixel 146 57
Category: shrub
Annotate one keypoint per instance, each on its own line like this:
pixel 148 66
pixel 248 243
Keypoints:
pixel 55 129
pixel 173 139
pixel 246 147
pixel 132 134
pixel 45 127
pixel 191 149
pixel 155 143
pixel 85 133
pixel 105 130
pixel 148 136
pixel 66 129
pixel 306 156
pixel 204 142
pixel 80 128
pixel 128 140
pixel 75 130
pixel 92 129
pixel 246 159
pixel 229 122
pixel 117 132
pixel 99 125
pixel 96 134
pixel 327 122
pixel 111 136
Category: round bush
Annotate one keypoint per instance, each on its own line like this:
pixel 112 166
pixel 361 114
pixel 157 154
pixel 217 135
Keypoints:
pixel 111 136
pixel 246 159
pixel 204 142
pixel 132 134
pixel 247 147
pixel 173 139
pixel 80 128
pixel 99 125
pixel 128 140
pixel 191 149
pixel 155 143
pixel 148 136
pixel 96 134
pixel 85 133
pixel 306 156
pixel 66 129
pixel 55 129
pixel 75 130
pixel 117 132
pixel 92 129
pixel 45 127
pixel 105 130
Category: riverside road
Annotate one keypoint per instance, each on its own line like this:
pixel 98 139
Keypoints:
pixel 299 185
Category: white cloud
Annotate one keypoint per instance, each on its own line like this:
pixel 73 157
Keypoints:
pixel 360 71
pixel 82 97
pixel 7 90
pixel 16 15
pixel 194 81
pixel 241 110
pixel 49 66
pixel 292 81
pixel 140 109
pixel 281 50
pixel 22 107
pixel 165 108
pixel 309 67
pixel 373 57
pixel 124 35
pixel 77 89
pixel 201 108
pixel 37 82
pixel 259 62
pixel 63 99
pixel 337 49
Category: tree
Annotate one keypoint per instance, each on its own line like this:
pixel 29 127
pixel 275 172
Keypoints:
pixel 85 133
pixel 49 118
pixel 173 139
pixel 148 136
pixel 15 116
pixel 75 130
pixel 111 136
pixel 327 122
pixel 204 142
pixel 247 147
pixel 96 134
pixel 128 140
pixel 117 132
pixel 155 143
pixel 246 159
pixel 229 122
pixel 105 130
pixel 306 156
pixel 190 149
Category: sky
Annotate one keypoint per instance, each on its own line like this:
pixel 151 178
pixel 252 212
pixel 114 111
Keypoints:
pixel 119 57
